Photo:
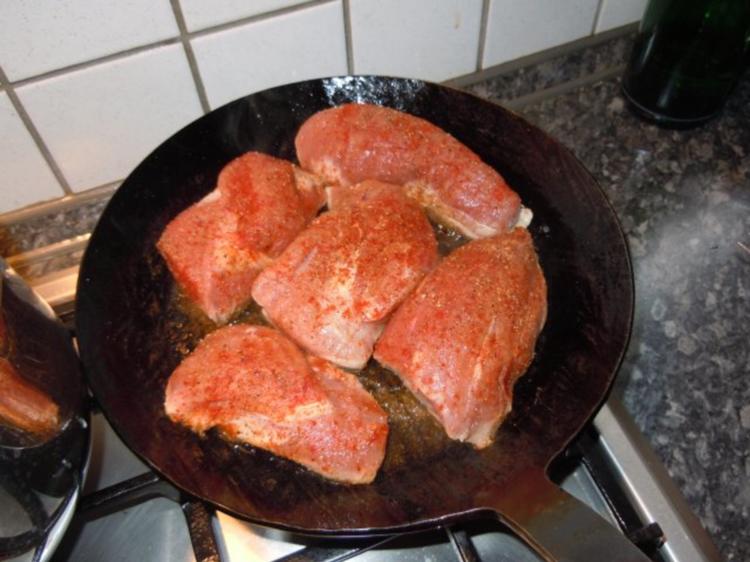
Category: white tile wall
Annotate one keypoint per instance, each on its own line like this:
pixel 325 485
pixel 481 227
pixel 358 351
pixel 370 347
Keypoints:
pixel 41 35
pixel 515 29
pixel 24 175
pixel 308 43
pixel 99 120
pixel 615 13
pixel 416 38
pixel 200 14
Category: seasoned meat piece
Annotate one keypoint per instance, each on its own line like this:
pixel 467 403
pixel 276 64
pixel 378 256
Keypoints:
pixel 24 406
pixel 273 199
pixel 209 258
pixel 257 387
pixel 355 142
pixel 3 333
pixel 460 341
pixel 311 189
pixel 334 286
pixel 339 196
pixel 216 248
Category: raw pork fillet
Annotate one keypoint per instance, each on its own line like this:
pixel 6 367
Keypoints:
pixel 339 196
pixel 333 288
pixel 217 247
pixel 351 143
pixel 23 405
pixel 460 341
pixel 257 387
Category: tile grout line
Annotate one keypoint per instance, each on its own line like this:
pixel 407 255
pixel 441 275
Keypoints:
pixel 348 36
pixel 587 41
pixel 165 42
pixel 106 190
pixel 190 55
pixel 74 199
pixel 34 132
pixel 94 62
pixel 482 34
pixel 597 17
pixel 258 17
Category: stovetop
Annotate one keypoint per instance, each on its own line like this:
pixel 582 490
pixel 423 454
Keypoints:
pixel 126 512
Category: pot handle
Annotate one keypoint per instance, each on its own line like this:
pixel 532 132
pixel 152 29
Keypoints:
pixel 557 525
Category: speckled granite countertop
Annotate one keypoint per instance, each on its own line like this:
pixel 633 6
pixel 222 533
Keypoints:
pixel 684 202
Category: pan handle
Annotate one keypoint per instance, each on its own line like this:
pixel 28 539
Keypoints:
pixel 557 525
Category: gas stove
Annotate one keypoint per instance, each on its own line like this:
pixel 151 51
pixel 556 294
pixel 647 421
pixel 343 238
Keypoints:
pixel 126 512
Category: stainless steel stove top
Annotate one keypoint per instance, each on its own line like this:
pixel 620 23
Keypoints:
pixel 618 475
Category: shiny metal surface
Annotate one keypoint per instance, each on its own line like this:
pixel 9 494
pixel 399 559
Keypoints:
pixel 650 489
pixel 59 289
pixel 65 247
pixel 40 474
pixel 560 527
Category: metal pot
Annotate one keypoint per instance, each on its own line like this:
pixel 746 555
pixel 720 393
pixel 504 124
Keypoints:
pixel 41 472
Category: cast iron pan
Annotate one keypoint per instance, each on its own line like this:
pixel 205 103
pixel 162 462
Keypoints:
pixel 134 328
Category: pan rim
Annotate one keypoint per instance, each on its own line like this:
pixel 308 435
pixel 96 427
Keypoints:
pixel 418 524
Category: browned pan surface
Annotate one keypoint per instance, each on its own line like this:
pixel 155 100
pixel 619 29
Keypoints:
pixel 134 328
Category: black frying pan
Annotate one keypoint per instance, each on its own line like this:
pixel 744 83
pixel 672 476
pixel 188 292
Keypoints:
pixel 134 328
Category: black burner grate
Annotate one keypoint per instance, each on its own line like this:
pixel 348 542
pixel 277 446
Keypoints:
pixel 199 516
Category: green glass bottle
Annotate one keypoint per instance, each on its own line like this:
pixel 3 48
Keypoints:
pixel 687 57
